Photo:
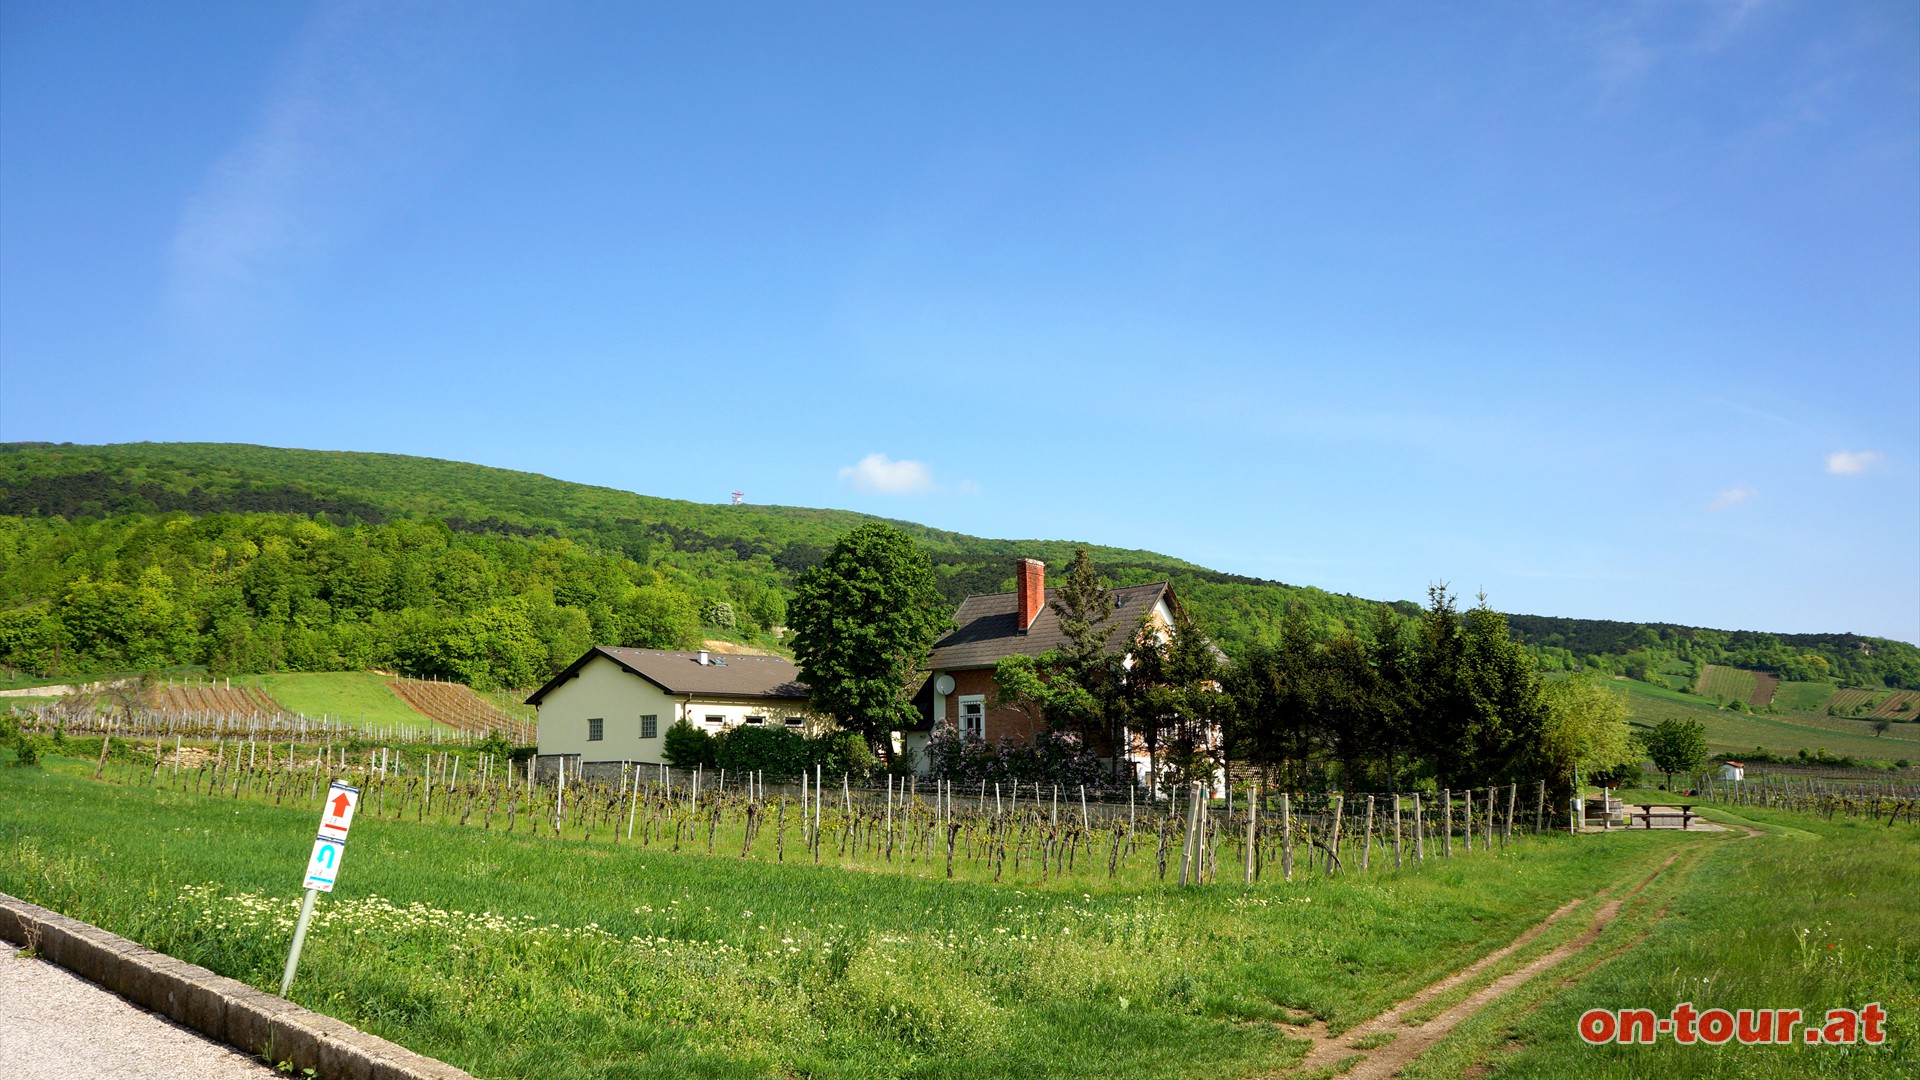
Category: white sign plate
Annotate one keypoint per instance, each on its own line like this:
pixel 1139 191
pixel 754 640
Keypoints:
pixel 324 865
pixel 336 814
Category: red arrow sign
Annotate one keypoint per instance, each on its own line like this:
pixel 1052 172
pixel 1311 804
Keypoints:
pixel 340 804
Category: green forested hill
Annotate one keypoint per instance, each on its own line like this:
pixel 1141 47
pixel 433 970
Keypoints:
pixel 249 558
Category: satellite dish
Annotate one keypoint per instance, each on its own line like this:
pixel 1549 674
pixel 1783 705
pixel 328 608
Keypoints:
pixel 943 684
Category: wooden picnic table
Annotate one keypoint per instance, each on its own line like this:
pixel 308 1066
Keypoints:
pixel 1686 814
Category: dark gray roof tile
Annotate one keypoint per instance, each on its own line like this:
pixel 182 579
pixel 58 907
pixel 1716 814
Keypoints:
pixel 986 630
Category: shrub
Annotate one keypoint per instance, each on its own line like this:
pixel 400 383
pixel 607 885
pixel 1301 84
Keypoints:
pixel 719 613
pixel 840 752
pixel 687 746
pixel 1052 758
pixel 26 751
pixel 778 752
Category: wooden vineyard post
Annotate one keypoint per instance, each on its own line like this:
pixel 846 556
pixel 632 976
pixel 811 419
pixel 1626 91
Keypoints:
pixel 1366 852
pixel 633 804
pixel 1539 807
pixel 1286 837
pixel 1396 832
pixel 1253 808
pixel 1446 795
pixel 1334 844
pixel 1506 836
pixel 1419 831
pixel 1193 829
pixel 1489 816
pixel 1466 830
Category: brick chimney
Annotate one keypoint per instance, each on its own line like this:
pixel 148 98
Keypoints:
pixel 1030 586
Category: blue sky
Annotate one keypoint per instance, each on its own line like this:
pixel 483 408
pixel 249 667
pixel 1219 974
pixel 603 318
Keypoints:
pixel 1610 310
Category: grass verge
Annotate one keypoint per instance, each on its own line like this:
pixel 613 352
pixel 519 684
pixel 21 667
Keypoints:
pixel 1813 915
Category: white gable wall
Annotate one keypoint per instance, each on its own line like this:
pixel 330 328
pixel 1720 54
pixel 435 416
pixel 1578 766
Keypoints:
pixel 605 691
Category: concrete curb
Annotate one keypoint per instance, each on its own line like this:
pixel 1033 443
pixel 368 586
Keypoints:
pixel 218 1007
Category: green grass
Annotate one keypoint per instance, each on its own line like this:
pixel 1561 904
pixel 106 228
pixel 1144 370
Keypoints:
pixel 350 695
pixel 1733 732
pixel 603 960
pixel 1815 915
pixel 1803 696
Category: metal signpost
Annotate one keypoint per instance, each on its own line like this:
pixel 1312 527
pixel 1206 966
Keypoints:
pixel 336 814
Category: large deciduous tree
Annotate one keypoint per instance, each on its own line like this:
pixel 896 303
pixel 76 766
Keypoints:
pixel 863 620
pixel 1677 746
pixel 1585 729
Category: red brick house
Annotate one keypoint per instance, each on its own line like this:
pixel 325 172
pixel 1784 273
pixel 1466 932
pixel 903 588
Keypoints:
pixel 958 694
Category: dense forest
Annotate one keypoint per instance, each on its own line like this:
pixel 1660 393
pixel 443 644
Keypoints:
pixel 245 558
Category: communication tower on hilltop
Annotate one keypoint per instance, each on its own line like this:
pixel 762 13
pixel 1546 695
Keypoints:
pixel 739 497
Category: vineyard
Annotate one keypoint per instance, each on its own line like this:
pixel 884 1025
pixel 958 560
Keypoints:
pixel 1735 684
pixel 1874 799
pixel 1899 705
pixel 458 707
pixel 1023 833
pixel 212 698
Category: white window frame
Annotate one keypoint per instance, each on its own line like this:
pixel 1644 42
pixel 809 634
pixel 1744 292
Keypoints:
pixel 962 717
pixel 756 720
pixel 716 719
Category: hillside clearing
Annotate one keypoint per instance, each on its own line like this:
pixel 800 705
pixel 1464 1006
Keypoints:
pixel 348 695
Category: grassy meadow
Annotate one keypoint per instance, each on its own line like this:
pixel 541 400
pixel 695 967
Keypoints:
pixel 1782 733
pixel 527 956
pixel 350 695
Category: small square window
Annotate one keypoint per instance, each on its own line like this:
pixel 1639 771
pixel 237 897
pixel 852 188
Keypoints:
pixel 596 730
pixel 756 720
pixel 716 719
pixel 650 726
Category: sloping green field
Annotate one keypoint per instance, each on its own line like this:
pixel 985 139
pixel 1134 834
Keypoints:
pixel 1803 696
pixel 349 695
pixel 1732 732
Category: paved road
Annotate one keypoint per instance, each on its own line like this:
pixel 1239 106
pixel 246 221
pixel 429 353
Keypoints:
pixel 55 1025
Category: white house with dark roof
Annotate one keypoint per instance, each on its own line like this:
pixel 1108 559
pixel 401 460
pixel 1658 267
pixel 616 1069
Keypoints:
pixel 613 706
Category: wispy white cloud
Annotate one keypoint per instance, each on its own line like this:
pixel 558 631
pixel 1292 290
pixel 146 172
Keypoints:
pixel 881 475
pixel 1734 496
pixel 1630 45
pixel 367 100
pixel 1849 462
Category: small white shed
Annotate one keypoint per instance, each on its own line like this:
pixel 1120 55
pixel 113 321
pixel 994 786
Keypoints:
pixel 1732 770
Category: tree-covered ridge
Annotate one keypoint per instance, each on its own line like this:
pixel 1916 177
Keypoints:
pixel 278 592
pixel 1643 650
pixel 748 557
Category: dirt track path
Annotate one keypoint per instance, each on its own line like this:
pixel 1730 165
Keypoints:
pixel 1411 1039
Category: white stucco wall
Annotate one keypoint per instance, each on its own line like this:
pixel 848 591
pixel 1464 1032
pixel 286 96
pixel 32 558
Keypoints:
pixel 605 691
